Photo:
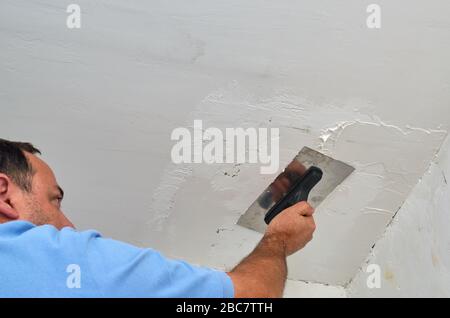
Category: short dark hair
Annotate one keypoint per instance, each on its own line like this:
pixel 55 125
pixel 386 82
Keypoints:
pixel 15 164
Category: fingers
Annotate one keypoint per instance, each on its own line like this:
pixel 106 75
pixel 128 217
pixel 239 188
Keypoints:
pixel 312 224
pixel 303 208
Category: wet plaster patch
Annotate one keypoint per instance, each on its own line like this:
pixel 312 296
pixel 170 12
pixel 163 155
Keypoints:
pixel 413 252
pixel 195 201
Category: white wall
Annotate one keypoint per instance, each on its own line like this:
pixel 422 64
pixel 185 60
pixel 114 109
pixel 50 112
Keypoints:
pixel 414 252
pixel 102 101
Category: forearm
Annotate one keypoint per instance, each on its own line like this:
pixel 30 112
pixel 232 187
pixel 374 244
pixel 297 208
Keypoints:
pixel 262 273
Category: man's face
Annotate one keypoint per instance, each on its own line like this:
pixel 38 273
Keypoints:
pixel 43 204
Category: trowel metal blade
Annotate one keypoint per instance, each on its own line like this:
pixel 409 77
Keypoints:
pixel 334 172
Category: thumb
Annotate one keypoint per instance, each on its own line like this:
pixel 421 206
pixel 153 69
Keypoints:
pixel 303 208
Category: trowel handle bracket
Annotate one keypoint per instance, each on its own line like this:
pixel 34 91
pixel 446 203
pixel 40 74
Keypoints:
pixel 299 192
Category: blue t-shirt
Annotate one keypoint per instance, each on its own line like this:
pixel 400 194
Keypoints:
pixel 41 261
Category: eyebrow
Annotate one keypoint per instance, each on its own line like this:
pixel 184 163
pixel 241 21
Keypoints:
pixel 61 192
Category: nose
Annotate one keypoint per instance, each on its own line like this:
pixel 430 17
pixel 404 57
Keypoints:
pixel 66 221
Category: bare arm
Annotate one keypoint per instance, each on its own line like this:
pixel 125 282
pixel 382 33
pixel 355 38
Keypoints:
pixel 263 273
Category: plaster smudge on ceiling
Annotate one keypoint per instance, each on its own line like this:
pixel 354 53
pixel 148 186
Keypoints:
pixel 413 255
pixel 389 160
pixel 116 88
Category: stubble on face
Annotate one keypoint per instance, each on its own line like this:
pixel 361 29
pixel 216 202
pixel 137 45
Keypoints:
pixel 36 214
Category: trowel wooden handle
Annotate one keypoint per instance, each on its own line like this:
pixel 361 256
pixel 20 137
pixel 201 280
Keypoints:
pixel 299 192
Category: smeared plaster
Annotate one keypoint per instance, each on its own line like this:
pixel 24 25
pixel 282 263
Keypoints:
pixel 414 252
pixel 331 134
pixel 165 194
pixel 110 94
pixel 389 159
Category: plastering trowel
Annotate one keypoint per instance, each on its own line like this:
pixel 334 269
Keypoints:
pixel 311 174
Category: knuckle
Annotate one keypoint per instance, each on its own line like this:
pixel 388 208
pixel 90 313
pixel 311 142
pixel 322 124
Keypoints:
pixel 306 206
pixel 302 205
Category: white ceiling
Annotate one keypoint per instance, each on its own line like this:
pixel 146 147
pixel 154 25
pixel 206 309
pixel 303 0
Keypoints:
pixel 102 101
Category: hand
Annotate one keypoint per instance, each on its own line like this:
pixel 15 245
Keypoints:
pixel 293 227
pixel 263 273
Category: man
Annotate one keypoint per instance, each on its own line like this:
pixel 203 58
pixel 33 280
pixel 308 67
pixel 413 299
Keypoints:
pixel 41 254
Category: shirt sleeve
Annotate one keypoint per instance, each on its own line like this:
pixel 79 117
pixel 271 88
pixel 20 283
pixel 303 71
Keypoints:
pixel 123 270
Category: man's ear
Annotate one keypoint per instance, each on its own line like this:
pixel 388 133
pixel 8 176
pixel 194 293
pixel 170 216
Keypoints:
pixel 6 209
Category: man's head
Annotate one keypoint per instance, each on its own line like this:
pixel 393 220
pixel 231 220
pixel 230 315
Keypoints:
pixel 28 187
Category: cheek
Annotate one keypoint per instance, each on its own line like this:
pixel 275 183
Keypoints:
pixel 23 203
pixel 49 207
pixel 58 218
